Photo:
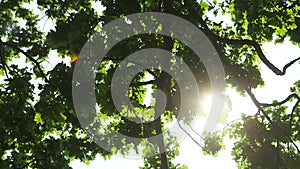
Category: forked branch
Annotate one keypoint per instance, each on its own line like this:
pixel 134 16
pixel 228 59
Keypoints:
pixel 15 47
pixel 294 95
pixel 261 109
pixel 239 42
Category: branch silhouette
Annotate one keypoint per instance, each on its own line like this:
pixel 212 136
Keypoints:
pixel 293 95
pixel 240 42
pixel 15 47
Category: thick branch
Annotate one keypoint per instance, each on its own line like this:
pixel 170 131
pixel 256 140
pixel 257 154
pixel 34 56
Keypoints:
pixel 292 116
pixel 148 70
pixel 4 65
pixel 252 43
pixel 15 47
pixel 161 83
pixel 137 84
pixel 259 52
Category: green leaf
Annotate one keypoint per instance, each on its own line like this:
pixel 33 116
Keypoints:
pixel 281 31
pixel 38 118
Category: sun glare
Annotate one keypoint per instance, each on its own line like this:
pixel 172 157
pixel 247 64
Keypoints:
pixel 205 104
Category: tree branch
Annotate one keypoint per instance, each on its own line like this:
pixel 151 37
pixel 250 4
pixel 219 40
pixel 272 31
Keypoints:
pixel 15 47
pixel 3 61
pixel 258 105
pixel 190 135
pixel 294 95
pixel 259 51
pixel 252 43
pixel 292 116
pixel 27 164
pixel 148 70
pixel 137 84
pixel 196 132
pixel 232 68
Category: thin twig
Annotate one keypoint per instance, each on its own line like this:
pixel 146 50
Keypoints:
pixel 196 132
pixel 189 135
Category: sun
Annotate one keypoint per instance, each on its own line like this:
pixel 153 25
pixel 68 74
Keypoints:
pixel 205 104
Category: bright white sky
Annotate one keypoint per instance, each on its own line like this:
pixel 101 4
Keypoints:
pixel 276 87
